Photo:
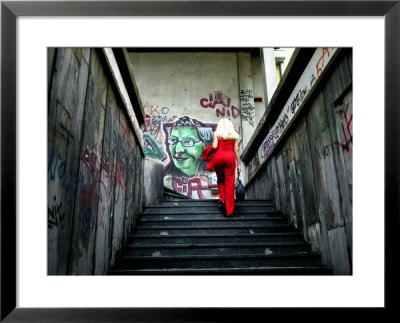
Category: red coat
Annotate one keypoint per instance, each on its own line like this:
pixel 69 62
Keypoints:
pixel 208 154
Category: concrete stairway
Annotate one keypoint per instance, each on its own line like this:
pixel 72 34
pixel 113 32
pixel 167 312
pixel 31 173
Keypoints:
pixel 193 237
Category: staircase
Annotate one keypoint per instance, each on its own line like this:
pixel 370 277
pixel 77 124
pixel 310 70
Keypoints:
pixel 193 237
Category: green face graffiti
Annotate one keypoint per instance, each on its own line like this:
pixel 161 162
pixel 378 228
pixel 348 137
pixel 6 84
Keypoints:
pixel 186 148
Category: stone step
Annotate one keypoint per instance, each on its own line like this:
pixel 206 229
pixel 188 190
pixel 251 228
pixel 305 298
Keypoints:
pixel 194 237
pixel 222 238
pixel 208 217
pixel 218 249
pixel 218 261
pixel 211 223
pixel 261 270
pixel 208 230
pixel 206 209
pixel 192 203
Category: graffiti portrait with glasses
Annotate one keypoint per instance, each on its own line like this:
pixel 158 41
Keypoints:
pixel 184 140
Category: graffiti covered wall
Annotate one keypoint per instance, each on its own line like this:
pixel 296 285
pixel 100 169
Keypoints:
pixel 303 87
pixel 184 96
pixel 94 166
pixel 309 173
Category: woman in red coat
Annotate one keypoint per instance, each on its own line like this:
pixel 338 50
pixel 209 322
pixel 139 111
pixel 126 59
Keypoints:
pixel 225 140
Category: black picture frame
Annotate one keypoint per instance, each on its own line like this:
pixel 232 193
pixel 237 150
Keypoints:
pixel 10 10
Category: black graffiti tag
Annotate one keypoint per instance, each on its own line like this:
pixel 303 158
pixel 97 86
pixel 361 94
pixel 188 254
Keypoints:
pixel 55 216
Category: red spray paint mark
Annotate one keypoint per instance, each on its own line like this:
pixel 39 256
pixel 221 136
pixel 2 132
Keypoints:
pixel 348 120
pixel 321 62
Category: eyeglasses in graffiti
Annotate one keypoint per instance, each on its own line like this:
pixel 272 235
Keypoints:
pixel 186 142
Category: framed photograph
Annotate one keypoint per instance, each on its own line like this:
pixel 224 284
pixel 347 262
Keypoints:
pixel 192 23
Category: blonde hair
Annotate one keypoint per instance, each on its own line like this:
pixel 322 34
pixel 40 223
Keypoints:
pixel 225 130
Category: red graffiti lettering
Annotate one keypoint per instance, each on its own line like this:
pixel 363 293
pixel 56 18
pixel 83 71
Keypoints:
pixel 189 185
pixel 235 112
pixel 348 120
pixel 153 109
pixel 220 113
pixel 321 62
pixel 177 184
pixel 204 103
pixel 220 99
pixel 195 185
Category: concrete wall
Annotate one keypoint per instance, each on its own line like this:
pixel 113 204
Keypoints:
pixel 302 90
pixel 201 87
pixel 272 74
pixel 246 88
pixel 95 164
pixel 153 179
pixel 307 171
